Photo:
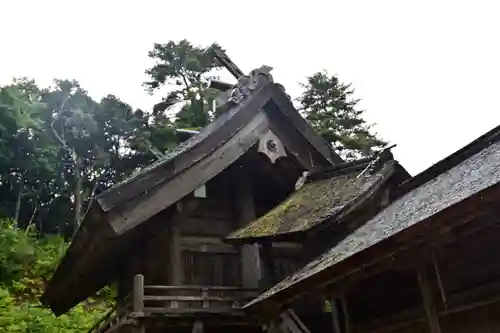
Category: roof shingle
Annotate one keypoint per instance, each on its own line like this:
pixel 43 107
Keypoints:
pixel 469 177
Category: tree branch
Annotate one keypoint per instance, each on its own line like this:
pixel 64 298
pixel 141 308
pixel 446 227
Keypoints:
pixel 91 197
pixel 58 137
pixel 37 206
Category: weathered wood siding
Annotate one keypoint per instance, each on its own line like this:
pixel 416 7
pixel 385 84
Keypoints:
pixel 211 269
pixel 287 258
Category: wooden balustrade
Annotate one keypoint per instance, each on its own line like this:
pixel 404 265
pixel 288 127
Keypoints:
pixel 114 318
pixel 147 300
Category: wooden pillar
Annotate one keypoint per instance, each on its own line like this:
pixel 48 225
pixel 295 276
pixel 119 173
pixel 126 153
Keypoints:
pixel 335 315
pixel 347 320
pixel 430 308
pixel 268 278
pixel 250 257
pixel 138 296
pixel 175 254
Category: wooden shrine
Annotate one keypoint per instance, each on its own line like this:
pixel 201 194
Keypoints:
pixel 159 235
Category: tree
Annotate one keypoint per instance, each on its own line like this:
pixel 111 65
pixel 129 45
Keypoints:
pixel 25 153
pixel 332 111
pixel 74 127
pixel 185 70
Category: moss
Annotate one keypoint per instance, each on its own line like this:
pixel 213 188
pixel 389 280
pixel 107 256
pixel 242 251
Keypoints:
pixel 310 205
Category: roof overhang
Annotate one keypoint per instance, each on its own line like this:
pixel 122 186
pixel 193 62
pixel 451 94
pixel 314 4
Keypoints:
pixel 113 221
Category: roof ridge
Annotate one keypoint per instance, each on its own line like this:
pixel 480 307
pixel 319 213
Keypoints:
pixel 339 169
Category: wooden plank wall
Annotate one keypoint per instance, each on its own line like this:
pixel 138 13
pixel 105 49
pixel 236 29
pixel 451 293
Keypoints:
pixel 206 260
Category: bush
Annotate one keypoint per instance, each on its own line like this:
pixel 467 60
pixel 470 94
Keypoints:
pixel 26 264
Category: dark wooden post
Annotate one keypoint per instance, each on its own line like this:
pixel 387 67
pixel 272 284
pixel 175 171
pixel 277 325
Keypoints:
pixel 138 296
pixel 335 315
pixel 175 254
pixel 250 258
pixel 204 298
pixel 347 320
pixel 267 266
pixel 430 308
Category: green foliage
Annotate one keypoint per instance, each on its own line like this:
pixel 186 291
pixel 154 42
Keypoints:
pixel 59 148
pixel 328 105
pixel 185 69
pixel 26 263
pixel 32 318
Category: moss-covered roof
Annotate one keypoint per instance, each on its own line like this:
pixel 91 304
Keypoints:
pixel 313 203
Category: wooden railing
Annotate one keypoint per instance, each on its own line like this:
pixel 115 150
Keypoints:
pixel 147 300
pixel 114 318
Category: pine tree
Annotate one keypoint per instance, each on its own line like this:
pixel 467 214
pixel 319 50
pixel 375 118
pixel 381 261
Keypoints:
pixel 330 108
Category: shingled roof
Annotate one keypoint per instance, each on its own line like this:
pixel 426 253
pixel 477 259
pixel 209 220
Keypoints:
pixel 121 215
pixel 469 171
pixel 325 195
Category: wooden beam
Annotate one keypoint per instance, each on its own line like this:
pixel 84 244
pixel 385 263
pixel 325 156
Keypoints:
pixel 199 226
pixel 297 320
pixel 268 278
pixel 250 256
pixel 175 254
pixel 430 307
pixel 220 85
pixel 209 248
pixel 287 245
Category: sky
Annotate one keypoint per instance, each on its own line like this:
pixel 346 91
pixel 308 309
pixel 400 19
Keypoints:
pixel 427 72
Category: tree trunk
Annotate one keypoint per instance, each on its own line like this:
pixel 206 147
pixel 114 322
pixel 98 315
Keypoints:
pixel 19 195
pixel 77 194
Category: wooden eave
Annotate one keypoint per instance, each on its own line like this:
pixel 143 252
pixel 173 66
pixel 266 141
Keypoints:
pixel 390 175
pixel 475 165
pixel 118 212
